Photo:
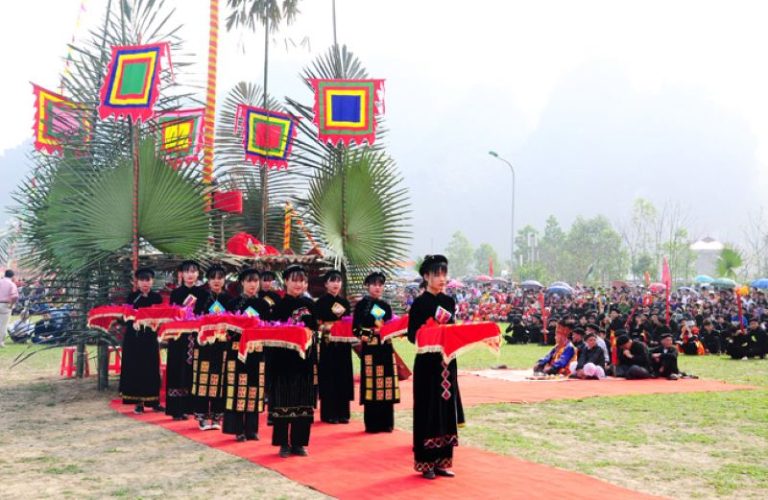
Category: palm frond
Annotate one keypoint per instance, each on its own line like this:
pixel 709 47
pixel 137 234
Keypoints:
pixel 728 262
pixel 377 210
pixel 250 13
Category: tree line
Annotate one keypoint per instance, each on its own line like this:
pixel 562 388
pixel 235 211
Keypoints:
pixel 596 250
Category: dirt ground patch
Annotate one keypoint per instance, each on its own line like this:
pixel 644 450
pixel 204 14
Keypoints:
pixel 59 439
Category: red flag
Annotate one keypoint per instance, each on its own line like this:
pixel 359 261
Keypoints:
pixel 741 314
pixel 666 278
pixel 490 267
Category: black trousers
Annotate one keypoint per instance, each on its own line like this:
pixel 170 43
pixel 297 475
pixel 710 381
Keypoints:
pixel 379 417
pixel 669 365
pixel 241 423
pixel 297 428
pixel 633 372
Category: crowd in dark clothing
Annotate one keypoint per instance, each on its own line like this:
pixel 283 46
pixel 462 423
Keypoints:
pixel 637 336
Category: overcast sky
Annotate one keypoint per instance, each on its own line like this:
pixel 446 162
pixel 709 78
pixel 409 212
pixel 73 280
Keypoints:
pixel 594 102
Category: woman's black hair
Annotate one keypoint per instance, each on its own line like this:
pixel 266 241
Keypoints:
pixel 294 270
pixel 188 265
pixel 216 271
pixel 144 273
pixel 332 275
pixel 433 264
pixel 268 275
pixel 247 273
pixel 375 278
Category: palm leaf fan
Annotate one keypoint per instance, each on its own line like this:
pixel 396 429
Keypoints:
pixel 98 221
pixel 377 211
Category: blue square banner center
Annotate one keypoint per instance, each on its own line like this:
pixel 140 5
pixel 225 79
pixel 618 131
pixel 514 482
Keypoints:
pixel 346 108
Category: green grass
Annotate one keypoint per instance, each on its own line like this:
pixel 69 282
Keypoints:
pixel 694 445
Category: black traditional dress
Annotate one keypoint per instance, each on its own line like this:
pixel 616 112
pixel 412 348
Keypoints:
pixel 379 387
pixel 244 382
pixel 437 410
pixel 335 364
pixel 208 362
pixel 293 380
pixel 140 371
pixel 271 297
pixel 180 354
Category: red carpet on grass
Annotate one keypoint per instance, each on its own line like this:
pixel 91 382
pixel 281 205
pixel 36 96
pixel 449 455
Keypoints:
pixel 346 463
pixel 476 390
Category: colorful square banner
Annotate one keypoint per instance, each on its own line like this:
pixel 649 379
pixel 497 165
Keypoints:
pixel 267 135
pixel 133 80
pixel 180 135
pixel 58 119
pixel 346 110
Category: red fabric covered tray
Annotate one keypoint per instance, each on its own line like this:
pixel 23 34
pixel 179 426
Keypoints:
pixel 451 340
pixel 296 338
pixel 214 327
pixel 104 317
pixel 172 330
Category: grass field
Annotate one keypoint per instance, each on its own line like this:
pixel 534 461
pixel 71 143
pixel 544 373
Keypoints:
pixel 686 446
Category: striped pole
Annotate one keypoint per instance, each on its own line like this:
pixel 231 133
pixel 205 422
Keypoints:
pixel 287 228
pixel 305 230
pixel 135 252
pixel 210 95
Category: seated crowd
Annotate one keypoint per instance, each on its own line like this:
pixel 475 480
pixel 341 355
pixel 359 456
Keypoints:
pixel 636 341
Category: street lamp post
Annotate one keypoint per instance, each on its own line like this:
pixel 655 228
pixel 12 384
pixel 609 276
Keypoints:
pixel 512 238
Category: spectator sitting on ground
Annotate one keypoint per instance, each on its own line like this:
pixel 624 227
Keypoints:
pixel 711 337
pixel 758 339
pixel 577 339
pixel 557 362
pixel 690 344
pixel 634 361
pixel 664 358
pixel 519 332
pixel 591 360
pixel 738 345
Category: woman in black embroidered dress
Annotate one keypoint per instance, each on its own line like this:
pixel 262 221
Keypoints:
pixel 140 373
pixel 270 296
pixel 244 382
pixel 335 365
pixel 209 359
pixel 379 389
pixel 293 380
pixel 181 351
pixel 437 410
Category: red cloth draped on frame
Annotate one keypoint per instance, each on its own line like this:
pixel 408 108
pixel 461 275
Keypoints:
pixel 214 327
pixel 172 330
pixel 451 340
pixel 104 317
pixel 296 338
pixel 394 328
pixel 341 331
pixel 153 317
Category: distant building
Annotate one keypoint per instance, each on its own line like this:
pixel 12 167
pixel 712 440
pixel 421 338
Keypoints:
pixel 707 251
